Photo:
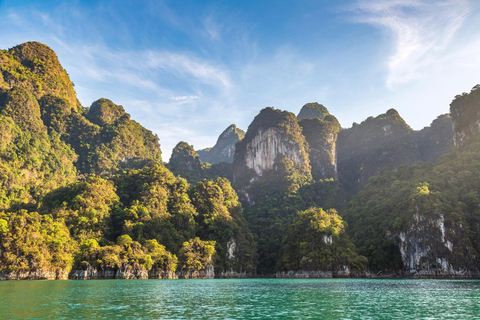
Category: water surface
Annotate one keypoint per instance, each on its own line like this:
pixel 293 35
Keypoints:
pixel 241 299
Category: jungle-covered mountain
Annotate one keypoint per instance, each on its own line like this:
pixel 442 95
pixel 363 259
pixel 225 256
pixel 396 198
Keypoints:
pixel 84 191
pixel 85 194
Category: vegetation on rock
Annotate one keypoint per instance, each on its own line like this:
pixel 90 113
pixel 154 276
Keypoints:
pixel 312 111
pixel 316 240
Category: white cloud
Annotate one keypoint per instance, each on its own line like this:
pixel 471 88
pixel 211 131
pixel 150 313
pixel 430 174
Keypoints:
pixel 184 98
pixel 422 32
pixel 212 29
pixel 184 65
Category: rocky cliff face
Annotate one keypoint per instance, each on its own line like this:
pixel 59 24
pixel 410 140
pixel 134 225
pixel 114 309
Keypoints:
pixel 465 110
pixel 35 275
pixel 429 248
pixel 207 273
pixel 126 272
pixel 272 134
pixel 224 149
pixel 262 151
pixel 321 136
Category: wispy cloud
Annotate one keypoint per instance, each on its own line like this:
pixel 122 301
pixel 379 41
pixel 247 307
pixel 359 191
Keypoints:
pixel 185 65
pixel 183 98
pixel 422 31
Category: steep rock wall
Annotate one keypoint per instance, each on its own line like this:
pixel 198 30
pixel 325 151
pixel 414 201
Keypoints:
pixel 262 151
pixel 272 136
pixel 429 248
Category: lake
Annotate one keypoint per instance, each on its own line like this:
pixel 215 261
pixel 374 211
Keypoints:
pixel 241 299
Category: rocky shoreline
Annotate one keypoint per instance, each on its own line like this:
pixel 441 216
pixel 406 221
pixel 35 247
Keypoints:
pixel 131 273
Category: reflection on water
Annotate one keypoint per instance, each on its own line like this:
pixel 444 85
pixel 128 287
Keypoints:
pixel 241 299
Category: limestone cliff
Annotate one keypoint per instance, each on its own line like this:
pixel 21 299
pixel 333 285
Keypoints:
pixel 40 274
pixel 272 135
pixel 224 149
pixel 465 110
pixel 429 248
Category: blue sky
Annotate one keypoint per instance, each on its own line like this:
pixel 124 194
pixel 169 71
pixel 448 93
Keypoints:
pixel 188 69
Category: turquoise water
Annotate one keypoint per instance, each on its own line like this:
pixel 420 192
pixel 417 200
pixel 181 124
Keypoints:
pixel 241 299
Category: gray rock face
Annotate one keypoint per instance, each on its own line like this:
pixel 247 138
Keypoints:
pixel 125 272
pixel 262 151
pixel 160 274
pixel 35 275
pixel 207 273
pixel 224 149
pixel 428 249
pixel 273 135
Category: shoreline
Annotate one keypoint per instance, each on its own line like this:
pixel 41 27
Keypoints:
pixel 63 277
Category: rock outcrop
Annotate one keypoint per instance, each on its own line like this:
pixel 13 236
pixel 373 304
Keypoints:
pixel 126 272
pixel 224 149
pixel 206 273
pixel 272 135
pixel 430 249
pixel 465 111
pixel 40 274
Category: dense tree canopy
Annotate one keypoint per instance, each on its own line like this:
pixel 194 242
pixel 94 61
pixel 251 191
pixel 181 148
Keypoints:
pixel 316 240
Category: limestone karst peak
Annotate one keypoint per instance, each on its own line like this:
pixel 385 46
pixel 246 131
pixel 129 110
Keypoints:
pixel 313 110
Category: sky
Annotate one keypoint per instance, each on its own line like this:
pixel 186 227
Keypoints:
pixel 188 69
